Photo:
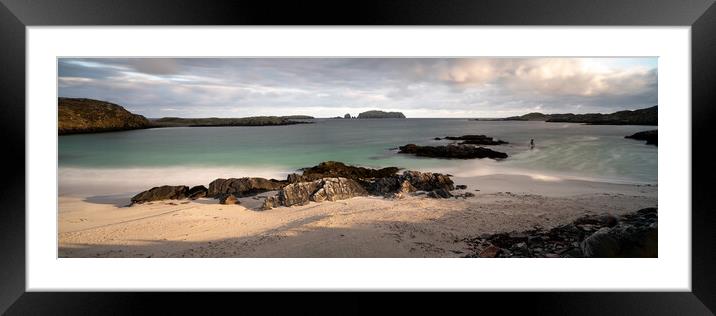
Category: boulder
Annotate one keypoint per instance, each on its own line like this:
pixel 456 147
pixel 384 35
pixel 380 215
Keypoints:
pixel 271 202
pixel 333 189
pixel 243 186
pixel 328 189
pixel 490 252
pixel 229 199
pixel 461 151
pixel 298 193
pixel 334 169
pixel 165 192
pixel 461 187
pixel 428 181
pixel 651 137
pixel 622 241
pixel 632 235
pixel 477 140
pixel 196 192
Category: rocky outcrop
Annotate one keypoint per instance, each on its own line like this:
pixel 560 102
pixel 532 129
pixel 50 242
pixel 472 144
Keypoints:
pixel 228 199
pixel 651 137
pixel 629 236
pixel 328 181
pixel 647 116
pixel 380 114
pixel 196 192
pixel 452 151
pixel 92 116
pixel 301 193
pixel 476 140
pixel 347 116
pixel 334 169
pixel 241 187
pixel 165 192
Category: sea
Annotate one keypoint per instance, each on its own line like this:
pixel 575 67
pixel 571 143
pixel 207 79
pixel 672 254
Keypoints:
pixel 127 160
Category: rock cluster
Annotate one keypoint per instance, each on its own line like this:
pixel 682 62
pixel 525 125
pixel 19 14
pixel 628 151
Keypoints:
pixel 334 169
pixel 165 192
pixel 460 151
pixel 328 181
pixel 241 187
pixel 651 137
pixel 328 189
pixel 647 116
pixel 476 140
pixel 629 236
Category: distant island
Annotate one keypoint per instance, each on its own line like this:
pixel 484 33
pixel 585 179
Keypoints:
pixel 647 116
pixel 380 114
pixel 217 121
pixel 93 116
pixel 81 115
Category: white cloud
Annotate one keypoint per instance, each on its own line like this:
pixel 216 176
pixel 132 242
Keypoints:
pixel 330 86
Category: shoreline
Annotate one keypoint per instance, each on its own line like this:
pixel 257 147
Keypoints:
pixel 416 226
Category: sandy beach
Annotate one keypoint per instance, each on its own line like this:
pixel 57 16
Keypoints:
pixel 416 226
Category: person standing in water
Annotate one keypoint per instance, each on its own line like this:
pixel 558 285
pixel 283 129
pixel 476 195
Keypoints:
pixel 532 143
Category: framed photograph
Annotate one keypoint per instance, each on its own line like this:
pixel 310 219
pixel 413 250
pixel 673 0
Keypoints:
pixel 431 146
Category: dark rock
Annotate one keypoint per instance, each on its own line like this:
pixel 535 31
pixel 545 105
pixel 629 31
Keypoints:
pixel 476 140
pixel 347 116
pixel 271 202
pixel 229 199
pixel 630 236
pixel 437 138
pixel 451 151
pixel 651 137
pixel 622 241
pixel 165 192
pixel 243 186
pixel 334 169
pixel 461 187
pixel 439 194
pixel 428 181
pixel 490 252
pixel 196 192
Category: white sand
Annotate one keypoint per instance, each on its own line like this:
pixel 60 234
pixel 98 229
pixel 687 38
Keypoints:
pixel 360 227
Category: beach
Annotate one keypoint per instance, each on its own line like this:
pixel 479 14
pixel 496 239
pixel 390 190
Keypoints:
pixel 370 226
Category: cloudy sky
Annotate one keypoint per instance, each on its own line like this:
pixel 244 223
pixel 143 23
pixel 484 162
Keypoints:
pixel 326 87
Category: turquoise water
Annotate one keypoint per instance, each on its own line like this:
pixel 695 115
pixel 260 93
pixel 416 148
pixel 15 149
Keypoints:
pixel 562 149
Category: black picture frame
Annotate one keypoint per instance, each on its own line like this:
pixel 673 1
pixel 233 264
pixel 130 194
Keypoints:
pixel 700 15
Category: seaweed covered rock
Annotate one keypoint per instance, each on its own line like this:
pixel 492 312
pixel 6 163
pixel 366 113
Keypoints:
pixel 334 169
pixel 196 192
pixel 460 151
pixel 243 186
pixel 165 192
pixel 476 140
pixel 629 236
